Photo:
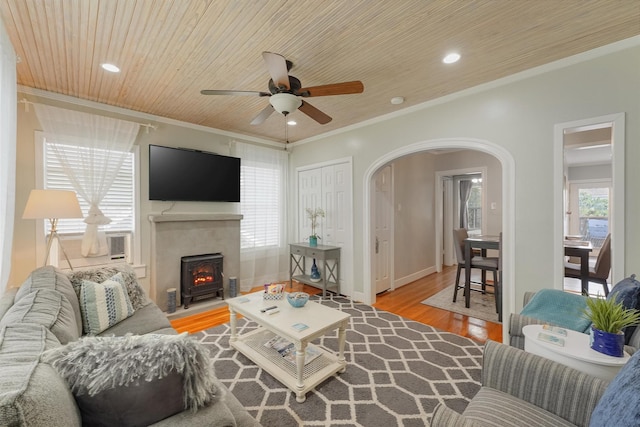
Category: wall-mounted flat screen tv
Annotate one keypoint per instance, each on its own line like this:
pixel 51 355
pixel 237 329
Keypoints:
pixel 179 174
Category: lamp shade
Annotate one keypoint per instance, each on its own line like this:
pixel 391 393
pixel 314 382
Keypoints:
pixel 52 204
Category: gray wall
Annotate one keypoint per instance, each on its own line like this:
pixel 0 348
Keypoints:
pixel 578 173
pixel 414 227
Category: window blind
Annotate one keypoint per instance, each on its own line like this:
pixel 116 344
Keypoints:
pixel 261 198
pixel 118 204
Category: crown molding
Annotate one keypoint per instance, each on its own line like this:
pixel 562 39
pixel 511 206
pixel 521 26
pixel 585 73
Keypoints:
pixel 43 94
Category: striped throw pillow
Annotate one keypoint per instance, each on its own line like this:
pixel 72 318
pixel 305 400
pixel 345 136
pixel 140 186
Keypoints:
pixel 104 304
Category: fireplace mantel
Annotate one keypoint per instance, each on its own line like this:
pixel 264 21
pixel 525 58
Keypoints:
pixel 182 234
pixel 194 217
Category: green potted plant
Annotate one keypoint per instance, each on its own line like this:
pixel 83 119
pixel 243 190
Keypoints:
pixel 313 215
pixel 608 320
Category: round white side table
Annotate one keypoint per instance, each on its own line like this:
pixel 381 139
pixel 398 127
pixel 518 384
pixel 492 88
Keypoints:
pixel 576 353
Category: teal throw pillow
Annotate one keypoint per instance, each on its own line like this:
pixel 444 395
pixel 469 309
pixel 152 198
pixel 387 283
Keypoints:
pixel 104 304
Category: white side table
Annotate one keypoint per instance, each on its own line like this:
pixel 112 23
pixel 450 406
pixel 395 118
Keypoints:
pixel 576 353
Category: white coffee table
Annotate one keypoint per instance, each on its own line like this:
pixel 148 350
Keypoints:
pixel 576 353
pixel 298 377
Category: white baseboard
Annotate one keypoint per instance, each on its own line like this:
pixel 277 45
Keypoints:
pixel 413 277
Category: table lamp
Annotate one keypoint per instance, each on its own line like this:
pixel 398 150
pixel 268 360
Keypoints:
pixel 52 204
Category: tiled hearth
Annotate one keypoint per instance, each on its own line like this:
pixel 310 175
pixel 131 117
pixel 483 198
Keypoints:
pixel 176 235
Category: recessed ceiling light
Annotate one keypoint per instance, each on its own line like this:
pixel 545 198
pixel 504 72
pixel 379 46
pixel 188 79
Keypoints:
pixel 451 58
pixel 111 68
pixel 292 123
pixel 397 100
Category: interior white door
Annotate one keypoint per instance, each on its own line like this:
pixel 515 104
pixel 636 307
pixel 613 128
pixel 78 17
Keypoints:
pixel 309 196
pixel 336 195
pixel 330 188
pixel 383 229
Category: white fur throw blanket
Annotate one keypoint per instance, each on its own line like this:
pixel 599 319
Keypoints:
pixel 94 364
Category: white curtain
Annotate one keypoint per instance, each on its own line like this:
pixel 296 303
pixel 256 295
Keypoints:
pixel 103 144
pixel 8 120
pixel 263 201
pixel 465 192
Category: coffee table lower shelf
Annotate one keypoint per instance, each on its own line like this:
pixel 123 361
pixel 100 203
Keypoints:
pixel 319 369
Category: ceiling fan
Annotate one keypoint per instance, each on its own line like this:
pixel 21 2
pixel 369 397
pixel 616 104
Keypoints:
pixel 286 92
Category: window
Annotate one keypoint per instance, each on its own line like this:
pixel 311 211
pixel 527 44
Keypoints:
pixel 261 200
pixel 474 207
pixel 470 202
pixel 262 197
pixel 8 120
pixel 589 211
pixel 118 204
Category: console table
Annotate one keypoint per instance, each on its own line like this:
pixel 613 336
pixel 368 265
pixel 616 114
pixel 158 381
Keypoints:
pixel 299 252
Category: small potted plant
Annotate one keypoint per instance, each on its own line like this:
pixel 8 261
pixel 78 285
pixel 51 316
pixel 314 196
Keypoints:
pixel 609 318
pixel 313 215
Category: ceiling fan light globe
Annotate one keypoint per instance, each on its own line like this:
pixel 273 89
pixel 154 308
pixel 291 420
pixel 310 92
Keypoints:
pixel 285 103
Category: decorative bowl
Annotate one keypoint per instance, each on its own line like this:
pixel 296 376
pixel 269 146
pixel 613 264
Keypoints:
pixel 297 299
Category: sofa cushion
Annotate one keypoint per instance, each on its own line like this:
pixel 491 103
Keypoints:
pixel 103 304
pixel 627 292
pixel 491 407
pixel 51 278
pixel 137 296
pixel 32 393
pixel 133 372
pixel 48 308
pixel 6 301
pixel 620 403
pixel 560 308
pixel 148 319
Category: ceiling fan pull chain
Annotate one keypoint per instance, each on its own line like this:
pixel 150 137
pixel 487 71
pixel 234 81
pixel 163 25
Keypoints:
pixel 286 132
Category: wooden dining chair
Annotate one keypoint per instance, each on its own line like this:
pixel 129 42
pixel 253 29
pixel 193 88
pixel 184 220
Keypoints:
pixel 482 263
pixel 599 273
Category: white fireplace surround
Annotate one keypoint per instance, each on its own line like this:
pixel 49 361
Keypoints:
pixel 176 235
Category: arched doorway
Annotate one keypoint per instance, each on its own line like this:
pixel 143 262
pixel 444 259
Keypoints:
pixel 508 219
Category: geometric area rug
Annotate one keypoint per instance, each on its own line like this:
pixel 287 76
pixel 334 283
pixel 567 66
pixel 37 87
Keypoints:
pixel 482 306
pixel 398 370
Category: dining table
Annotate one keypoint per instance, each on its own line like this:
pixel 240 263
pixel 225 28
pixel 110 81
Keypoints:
pixel 482 242
pixel 582 250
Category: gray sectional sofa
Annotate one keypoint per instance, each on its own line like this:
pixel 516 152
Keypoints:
pixel 44 314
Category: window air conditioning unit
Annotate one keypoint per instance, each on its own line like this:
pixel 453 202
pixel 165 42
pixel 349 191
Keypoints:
pixel 119 246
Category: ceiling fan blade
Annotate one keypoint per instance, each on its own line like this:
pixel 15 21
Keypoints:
pixel 277 66
pixel 234 92
pixel 333 89
pixel 314 113
pixel 262 116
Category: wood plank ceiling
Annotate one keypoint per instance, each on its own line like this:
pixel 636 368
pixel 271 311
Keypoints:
pixel 169 50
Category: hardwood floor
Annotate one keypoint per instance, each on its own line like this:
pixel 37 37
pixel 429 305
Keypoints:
pixel 404 302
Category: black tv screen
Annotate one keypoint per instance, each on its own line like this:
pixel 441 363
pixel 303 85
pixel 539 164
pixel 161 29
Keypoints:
pixel 179 174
